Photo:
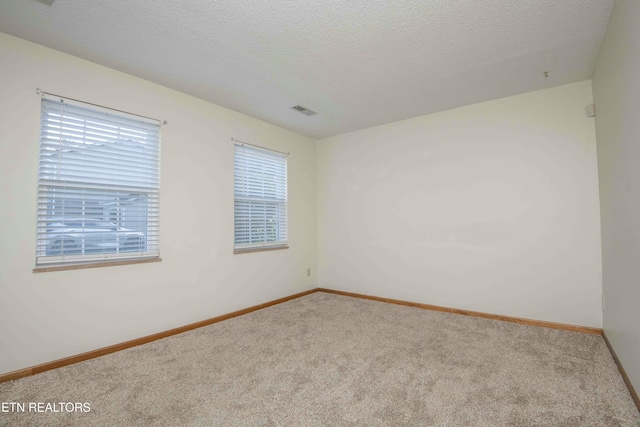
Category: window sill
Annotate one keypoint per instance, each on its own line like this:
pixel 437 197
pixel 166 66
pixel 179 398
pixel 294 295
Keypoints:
pixel 47 269
pixel 251 250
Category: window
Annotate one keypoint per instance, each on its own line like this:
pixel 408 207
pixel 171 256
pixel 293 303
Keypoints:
pixel 260 191
pixel 98 184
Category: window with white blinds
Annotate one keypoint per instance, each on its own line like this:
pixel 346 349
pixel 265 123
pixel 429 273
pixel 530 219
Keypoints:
pixel 260 191
pixel 98 184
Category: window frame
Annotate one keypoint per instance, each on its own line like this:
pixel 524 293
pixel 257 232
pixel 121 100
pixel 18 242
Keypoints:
pixel 102 176
pixel 260 196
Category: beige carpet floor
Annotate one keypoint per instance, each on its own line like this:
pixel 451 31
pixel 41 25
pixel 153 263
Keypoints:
pixel 329 360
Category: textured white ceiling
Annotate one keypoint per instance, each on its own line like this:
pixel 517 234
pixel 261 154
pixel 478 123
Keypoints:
pixel 358 63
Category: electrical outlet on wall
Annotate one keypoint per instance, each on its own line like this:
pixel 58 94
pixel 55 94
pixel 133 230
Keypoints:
pixel 308 272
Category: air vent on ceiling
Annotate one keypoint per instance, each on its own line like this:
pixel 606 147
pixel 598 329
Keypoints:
pixel 303 110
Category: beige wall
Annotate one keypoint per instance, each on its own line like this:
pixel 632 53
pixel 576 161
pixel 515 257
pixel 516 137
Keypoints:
pixel 616 90
pixel 491 207
pixel 47 316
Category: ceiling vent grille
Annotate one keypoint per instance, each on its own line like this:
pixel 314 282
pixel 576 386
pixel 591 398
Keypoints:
pixel 303 110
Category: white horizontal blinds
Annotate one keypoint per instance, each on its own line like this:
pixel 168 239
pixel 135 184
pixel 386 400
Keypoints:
pixel 98 184
pixel 260 189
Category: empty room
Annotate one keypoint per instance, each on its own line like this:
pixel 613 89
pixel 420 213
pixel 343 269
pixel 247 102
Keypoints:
pixel 320 212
